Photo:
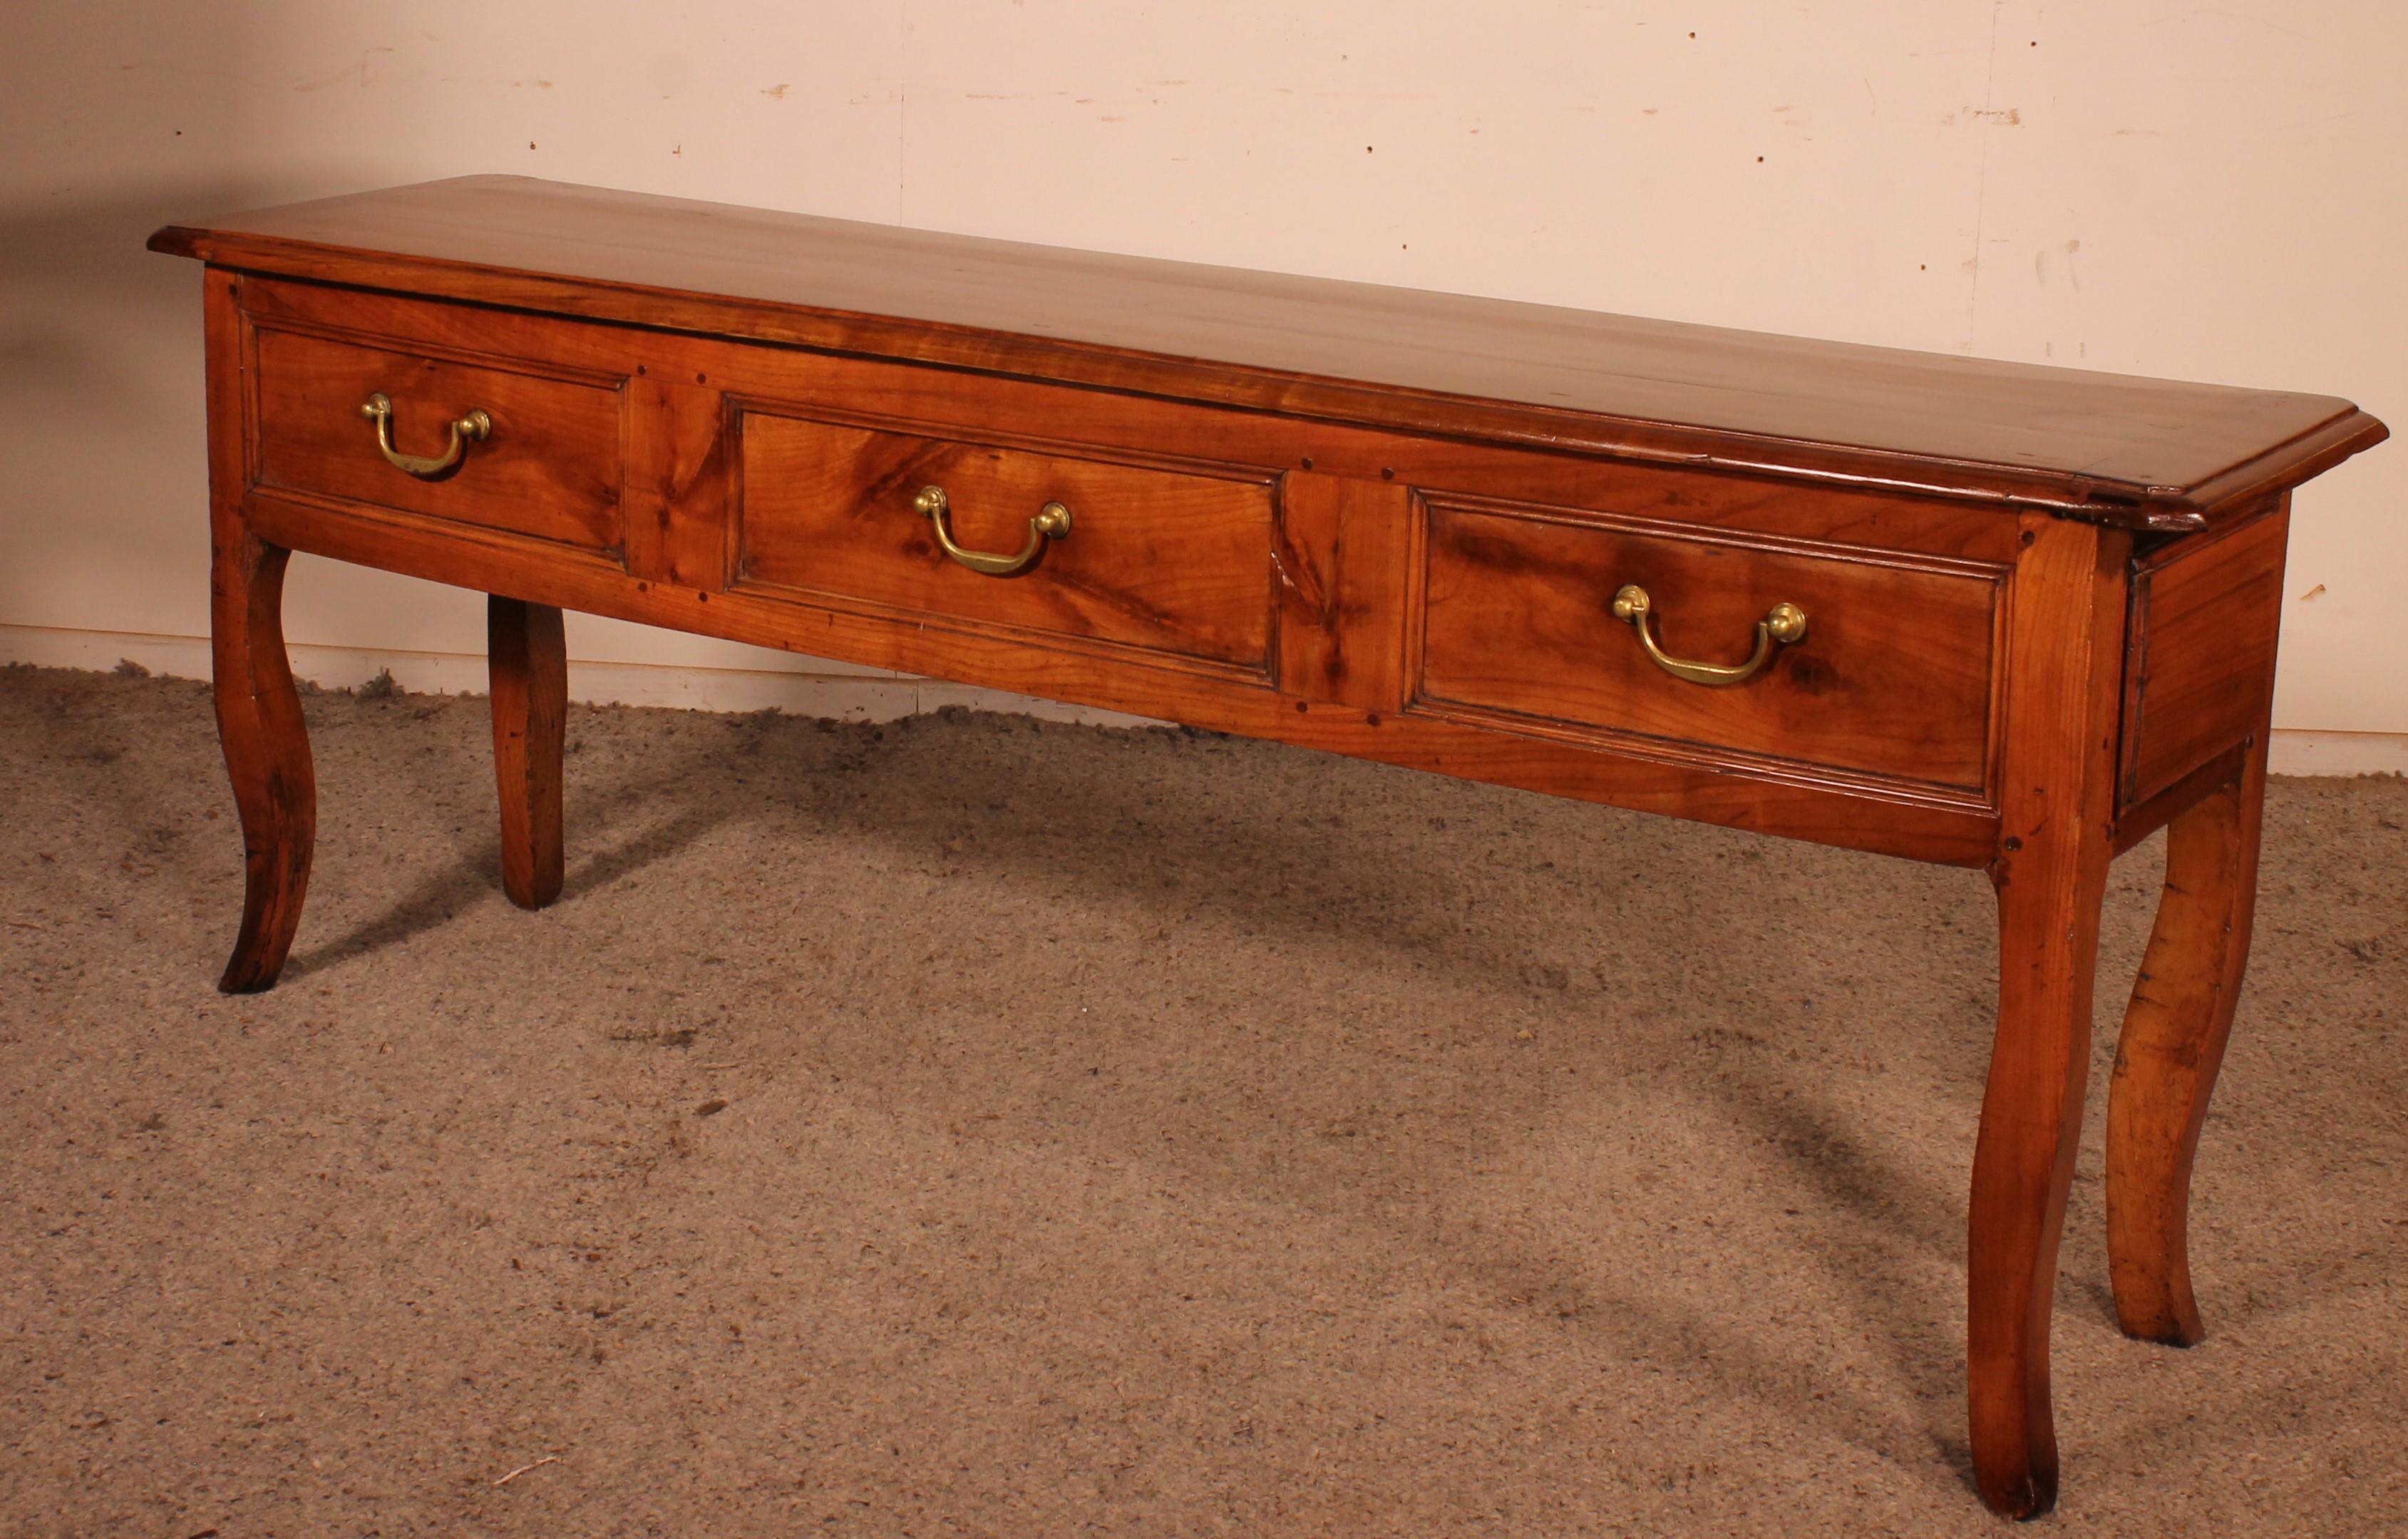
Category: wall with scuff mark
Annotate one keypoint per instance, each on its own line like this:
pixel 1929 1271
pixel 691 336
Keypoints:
pixel 2212 194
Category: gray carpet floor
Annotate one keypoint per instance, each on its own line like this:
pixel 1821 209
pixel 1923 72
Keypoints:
pixel 971 1125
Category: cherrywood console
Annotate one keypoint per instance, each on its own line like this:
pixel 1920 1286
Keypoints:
pixel 1997 616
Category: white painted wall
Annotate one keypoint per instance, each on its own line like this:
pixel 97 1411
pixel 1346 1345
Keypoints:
pixel 2203 193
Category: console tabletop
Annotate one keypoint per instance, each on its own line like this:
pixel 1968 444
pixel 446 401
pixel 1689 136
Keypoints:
pixel 1984 615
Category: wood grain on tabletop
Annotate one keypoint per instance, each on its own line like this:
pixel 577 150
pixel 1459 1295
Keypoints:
pixel 2157 449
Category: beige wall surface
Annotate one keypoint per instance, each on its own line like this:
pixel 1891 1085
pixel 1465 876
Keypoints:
pixel 2202 193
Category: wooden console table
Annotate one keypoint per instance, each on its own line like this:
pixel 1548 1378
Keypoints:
pixel 1983 615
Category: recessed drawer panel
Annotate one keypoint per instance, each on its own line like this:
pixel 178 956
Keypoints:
pixel 1169 560
pixel 2200 652
pixel 1891 676
pixel 547 465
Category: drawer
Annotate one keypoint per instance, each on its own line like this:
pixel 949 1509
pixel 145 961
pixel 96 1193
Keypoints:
pixel 1174 561
pixel 1892 677
pixel 548 467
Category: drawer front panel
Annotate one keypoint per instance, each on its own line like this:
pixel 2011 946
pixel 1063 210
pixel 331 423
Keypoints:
pixel 549 468
pixel 1168 560
pixel 1892 679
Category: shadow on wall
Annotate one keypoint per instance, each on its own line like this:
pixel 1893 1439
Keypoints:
pixel 101 417
pixel 75 275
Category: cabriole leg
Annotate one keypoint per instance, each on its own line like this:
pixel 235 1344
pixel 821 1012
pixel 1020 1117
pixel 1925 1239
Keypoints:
pixel 2023 1167
pixel 2056 839
pixel 267 749
pixel 2173 1044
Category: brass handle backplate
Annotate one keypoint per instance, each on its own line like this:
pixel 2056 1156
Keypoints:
pixel 377 409
pixel 1053 522
pixel 1780 625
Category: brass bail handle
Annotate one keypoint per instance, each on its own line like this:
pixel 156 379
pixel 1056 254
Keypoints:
pixel 1053 522
pixel 377 409
pixel 1782 624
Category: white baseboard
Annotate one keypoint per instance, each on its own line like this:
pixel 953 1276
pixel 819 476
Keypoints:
pixel 843 696
pixel 2299 753
pixel 846 697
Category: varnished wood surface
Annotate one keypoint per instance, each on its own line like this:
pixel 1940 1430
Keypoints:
pixel 2137 821
pixel 1893 678
pixel 550 468
pixel 528 660
pixel 267 749
pixel 2200 670
pixel 260 728
pixel 1381 569
pixel 2119 448
pixel 2057 798
pixel 1154 558
pixel 689 375
pixel 1343 567
pixel 691 405
pixel 2172 1048
pixel 679 471
pixel 1797 803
